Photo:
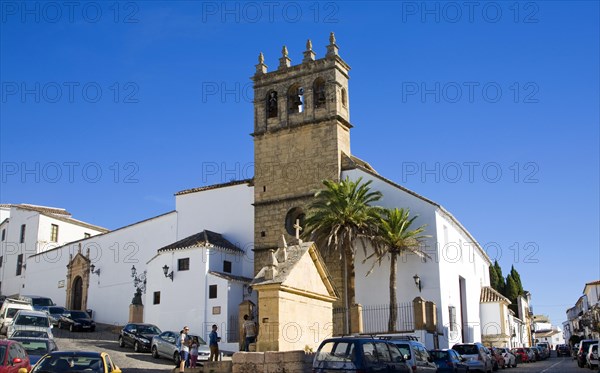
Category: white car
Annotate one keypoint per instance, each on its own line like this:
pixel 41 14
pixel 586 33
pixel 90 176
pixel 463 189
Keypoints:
pixel 591 358
pixel 509 357
pixel 26 320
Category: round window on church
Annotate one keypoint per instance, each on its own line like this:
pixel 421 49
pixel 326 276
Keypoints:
pixel 290 220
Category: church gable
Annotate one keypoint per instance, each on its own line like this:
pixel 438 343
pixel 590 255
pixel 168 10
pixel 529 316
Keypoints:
pixel 308 275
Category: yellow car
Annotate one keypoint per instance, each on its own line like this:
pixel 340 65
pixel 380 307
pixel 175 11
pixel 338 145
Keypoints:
pixel 75 361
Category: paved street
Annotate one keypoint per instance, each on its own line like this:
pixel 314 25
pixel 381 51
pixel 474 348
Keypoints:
pixel 105 339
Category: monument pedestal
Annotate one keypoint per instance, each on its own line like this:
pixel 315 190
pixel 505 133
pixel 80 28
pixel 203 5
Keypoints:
pixel 136 313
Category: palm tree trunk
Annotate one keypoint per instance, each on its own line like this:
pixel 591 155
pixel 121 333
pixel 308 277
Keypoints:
pixel 350 290
pixel 393 300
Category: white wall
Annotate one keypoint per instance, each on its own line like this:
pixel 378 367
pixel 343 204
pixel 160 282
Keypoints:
pixel 226 210
pixel 452 256
pixel 37 239
pixel 114 253
pixel 491 319
pixel 12 248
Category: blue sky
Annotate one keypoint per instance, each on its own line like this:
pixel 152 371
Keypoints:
pixel 490 109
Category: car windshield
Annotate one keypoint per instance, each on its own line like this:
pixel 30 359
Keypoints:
pixel 79 315
pixel 12 311
pixel 34 347
pixel 69 363
pixel 200 340
pixel 29 334
pixel 56 310
pixel 29 320
pixel 148 329
pixel 439 355
pixel 466 349
pixel 40 302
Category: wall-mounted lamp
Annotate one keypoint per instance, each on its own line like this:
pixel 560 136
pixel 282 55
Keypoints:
pixel 139 282
pixel 166 272
pixel 417 282
pixel 95 271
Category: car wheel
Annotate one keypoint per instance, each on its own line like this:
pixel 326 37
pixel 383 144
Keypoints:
pixel 155 353
pixel 177 358
pixel 121 342
pixel 71 328
pixel 136 347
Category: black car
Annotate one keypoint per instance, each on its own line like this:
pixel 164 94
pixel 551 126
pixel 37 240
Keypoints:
pixel 358 354
pixel 76 320
pixel 138 335
pixel 563 350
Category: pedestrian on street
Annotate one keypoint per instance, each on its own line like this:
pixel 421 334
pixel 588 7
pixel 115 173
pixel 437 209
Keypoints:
pixel 249 332
pixel 213 344
pixel 183 343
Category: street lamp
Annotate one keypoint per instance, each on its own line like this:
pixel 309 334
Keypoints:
pixel 95 271
pixel 139 282
pixel 166 272
pixel 417 282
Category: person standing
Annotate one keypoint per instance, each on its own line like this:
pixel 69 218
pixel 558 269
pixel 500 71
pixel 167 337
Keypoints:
pixel 249 332
pixel 183 344
pixel 194 352
pixel 213 344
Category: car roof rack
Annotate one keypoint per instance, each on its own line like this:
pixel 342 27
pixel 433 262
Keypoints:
pixel 400 337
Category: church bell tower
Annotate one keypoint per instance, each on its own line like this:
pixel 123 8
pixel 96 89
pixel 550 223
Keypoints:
pixel 301 130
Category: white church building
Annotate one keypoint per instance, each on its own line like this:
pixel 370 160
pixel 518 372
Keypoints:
pixel 195 263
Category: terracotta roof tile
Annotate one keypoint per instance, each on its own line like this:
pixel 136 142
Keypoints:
pixel 489 295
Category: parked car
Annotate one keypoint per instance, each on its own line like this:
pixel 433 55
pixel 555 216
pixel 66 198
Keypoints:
pixel 415 354
pixel 13 358
pixel 544 351
pixel 37 301
pixel 36 347
pixel 584 347
pixel 54 313
pixel 76 320
pixel 358 354
pixel 164 345
pixel 30 320
pixel 497 359
pixel 591 358
pixel 531 354
pixel 476 355
pixel 139 336
pixel 521 354
pixel 76 361
pixel 563 350
pixel 509 357
pixel 30 334
pixel 448 361
pixel 8 311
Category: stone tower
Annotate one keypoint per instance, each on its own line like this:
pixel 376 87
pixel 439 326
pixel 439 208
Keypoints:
pixel 301 128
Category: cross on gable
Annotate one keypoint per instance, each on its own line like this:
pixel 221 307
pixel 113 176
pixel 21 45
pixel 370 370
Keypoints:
pixel 298 228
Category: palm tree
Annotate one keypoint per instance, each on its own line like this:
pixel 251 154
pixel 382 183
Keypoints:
pixel 394 238
pixel 340 215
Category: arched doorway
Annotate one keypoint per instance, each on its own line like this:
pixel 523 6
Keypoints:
pixel 77 293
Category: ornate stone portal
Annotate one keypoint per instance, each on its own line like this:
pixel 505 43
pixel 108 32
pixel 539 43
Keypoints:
pixel 78 280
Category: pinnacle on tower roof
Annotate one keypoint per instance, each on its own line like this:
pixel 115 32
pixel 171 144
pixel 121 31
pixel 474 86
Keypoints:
pixel 261 68
pixel 284 61
pixel 332 48
pixel 309 55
